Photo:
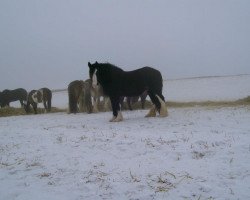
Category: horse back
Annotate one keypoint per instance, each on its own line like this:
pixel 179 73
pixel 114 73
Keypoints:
pixel 75 88
pixel 136 82
pixel 46 93
pixel 14 95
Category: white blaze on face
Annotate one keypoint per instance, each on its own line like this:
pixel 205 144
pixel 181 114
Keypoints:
pixel 94 80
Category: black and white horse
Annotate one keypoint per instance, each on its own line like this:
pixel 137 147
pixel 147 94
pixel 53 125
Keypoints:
pixel 8 96
pixel 43 95
pixel 117 83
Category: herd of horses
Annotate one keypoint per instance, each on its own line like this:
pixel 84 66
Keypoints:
pixel 43 95
pixel 107 82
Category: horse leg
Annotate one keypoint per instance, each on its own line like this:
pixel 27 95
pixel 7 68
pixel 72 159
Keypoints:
pixel 121 102
pixel 156 105
pixel 95 105
pixel 112 99
pixel 106 102
pixel 129 103
pixel 21 102
pixel 81 102
pixel 49 105
pixel 72 102
pixel 87 100
pixel 143 103
pixel 117 115
pixel 118 108
pixel 45 106
pixel 143 99
pixel 163 110
pixel 34 105
pixel 26 107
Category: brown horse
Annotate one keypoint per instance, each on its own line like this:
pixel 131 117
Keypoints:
pixel 79 97
pixel 43 95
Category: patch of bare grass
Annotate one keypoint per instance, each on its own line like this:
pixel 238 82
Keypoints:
pixel 11 111
pixel 240 102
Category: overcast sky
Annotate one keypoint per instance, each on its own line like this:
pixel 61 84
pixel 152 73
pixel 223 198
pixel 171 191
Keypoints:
pixel 47 43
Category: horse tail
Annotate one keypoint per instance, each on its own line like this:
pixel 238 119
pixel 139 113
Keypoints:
pixel 87 98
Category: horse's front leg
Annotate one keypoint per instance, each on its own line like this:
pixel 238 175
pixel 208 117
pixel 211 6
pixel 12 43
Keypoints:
pixel 21 102
pixel 45 106
pixel 117 115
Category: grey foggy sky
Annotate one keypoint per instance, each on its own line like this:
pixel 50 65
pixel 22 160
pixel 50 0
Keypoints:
pixel 49 42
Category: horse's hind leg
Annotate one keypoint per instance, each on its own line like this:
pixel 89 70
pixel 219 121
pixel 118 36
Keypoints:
pixel 156 105
pixel 163 110
pixel 143 99
pixel 159 105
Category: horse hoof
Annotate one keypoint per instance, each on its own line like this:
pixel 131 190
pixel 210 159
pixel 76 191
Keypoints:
pixel 163 114
pixel 119 118
pixel 150 115
pixel 112 119
pixel 152 112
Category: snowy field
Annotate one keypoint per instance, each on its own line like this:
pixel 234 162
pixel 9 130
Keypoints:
pixel 194 153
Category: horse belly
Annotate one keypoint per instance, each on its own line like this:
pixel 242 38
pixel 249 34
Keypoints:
pixel 133 91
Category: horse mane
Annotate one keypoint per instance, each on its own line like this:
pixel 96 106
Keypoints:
pixel 108 66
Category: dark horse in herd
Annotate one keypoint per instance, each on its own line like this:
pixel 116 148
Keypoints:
pixel 43 95
pixel 117 83
pixel 8 96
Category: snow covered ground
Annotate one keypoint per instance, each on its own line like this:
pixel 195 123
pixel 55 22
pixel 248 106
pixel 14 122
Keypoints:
pixel 194 153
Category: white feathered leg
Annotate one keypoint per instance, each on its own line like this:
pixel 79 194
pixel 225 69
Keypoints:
pixel 163 110
pixel 119 117
pixel 152 112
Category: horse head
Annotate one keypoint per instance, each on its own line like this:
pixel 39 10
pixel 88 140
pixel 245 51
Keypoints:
pixel 93 70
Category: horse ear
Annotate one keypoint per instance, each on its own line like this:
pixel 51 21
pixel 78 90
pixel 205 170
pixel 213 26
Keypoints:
pixel 89 64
